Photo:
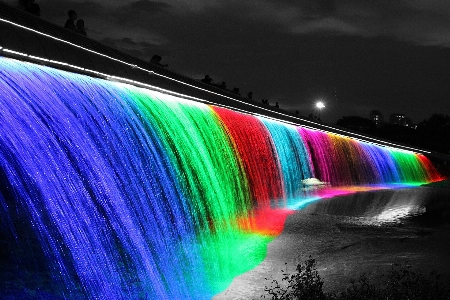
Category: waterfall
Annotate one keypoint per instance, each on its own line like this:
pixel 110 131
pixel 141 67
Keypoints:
pixel 108 190
pixel 294 160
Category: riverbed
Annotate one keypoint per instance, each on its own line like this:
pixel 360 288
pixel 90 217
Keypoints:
pixel 364 233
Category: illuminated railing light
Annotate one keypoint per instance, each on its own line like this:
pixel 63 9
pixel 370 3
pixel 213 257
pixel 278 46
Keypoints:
pixel 13 52
pixel 34 57
pixel 79 68
pixel 190 85
pixel 64 41
pixel 349 135
pixel 202 89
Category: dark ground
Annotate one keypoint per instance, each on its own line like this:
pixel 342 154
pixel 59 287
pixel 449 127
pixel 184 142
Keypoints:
pixel 364 233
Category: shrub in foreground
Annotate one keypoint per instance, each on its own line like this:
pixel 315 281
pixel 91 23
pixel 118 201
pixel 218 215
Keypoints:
pixel 400 283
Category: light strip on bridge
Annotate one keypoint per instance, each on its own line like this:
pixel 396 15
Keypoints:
pixel 187 97
pixel 363 138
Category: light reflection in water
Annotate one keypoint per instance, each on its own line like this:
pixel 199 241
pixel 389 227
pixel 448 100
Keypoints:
pixel 369 205
pixel 397 214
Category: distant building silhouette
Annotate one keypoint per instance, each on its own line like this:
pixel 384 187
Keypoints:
pixel 356 123
pixel 399 119
pixel 377 117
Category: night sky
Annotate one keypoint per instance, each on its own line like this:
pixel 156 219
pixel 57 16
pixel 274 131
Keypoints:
pixel 357 56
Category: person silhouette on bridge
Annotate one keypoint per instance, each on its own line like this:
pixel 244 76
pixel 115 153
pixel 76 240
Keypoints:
pixel 70 23
pixel 156 59
pixel 80 27
pixel 207 79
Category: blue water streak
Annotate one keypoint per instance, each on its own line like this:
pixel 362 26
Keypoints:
pixel 95 183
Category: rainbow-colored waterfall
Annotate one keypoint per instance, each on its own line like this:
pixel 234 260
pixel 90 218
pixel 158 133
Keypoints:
pixel 125 193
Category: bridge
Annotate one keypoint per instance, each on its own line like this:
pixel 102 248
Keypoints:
pixel 29 38
pixel 161 188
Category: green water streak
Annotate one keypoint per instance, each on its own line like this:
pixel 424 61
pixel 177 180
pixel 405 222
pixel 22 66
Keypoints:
pixel 212 178
pixel 410 167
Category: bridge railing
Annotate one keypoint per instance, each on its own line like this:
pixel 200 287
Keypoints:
pixel 34 39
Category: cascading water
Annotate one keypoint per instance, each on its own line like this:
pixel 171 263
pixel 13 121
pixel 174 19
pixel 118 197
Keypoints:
pixel 292 154
pixel 112 191
pixel 255 147
pixel 342 161
pixel 85 172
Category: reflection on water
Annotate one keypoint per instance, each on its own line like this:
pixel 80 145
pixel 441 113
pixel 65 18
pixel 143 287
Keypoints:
pixel 387 206
pixel 354 234
pixel 397 214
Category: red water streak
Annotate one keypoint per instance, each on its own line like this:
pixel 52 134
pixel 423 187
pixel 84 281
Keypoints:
pixel 430 169
pixel 266 221
pixel 254 146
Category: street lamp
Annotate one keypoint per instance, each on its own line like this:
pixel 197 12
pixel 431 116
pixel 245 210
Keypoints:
pixel 320 105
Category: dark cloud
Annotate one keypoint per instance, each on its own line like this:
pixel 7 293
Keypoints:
pixel 128 41
pixel 54 9
pixel 141 14
pixel 356 55
pixel 421 22
pixel 316 8
pixel 327 7
pixel 146 6
pixel 402 20
pixel 354 73
pixel 143 50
